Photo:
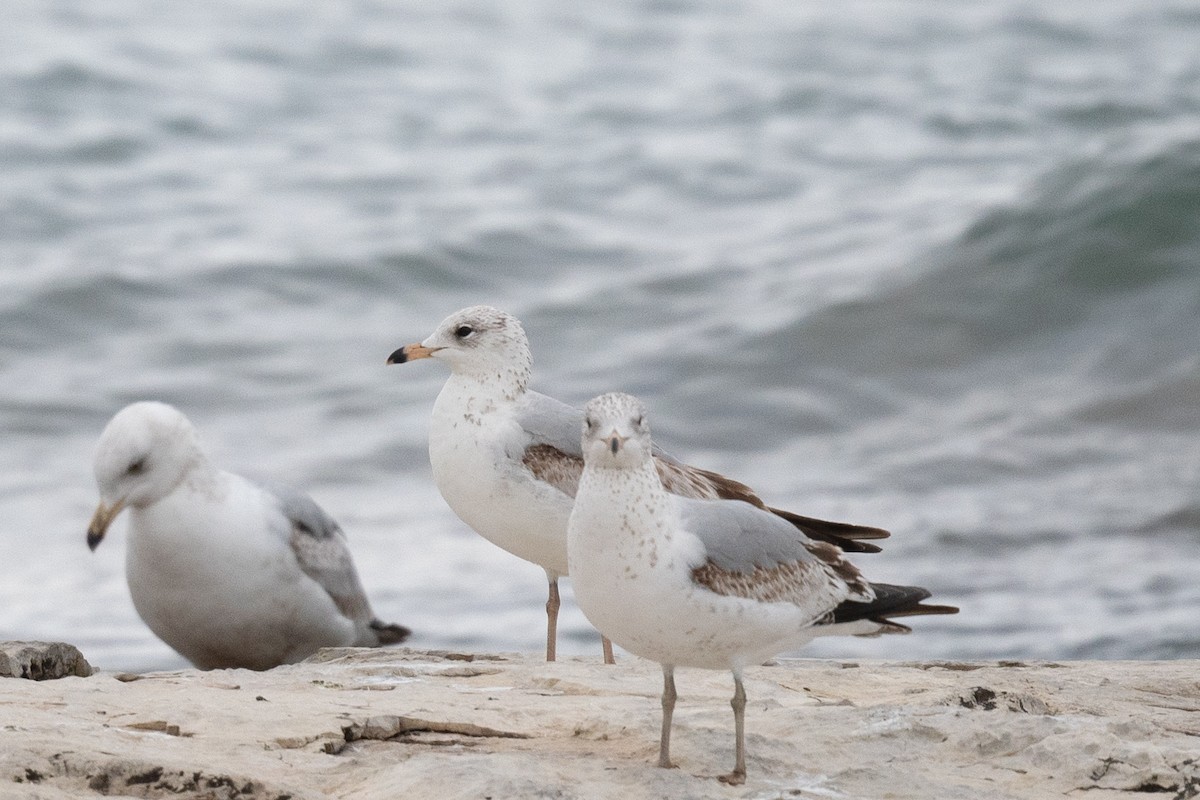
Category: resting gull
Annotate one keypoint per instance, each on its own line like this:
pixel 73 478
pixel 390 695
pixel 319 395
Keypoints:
pixel 507 459
pixel 705 583
pixel 228 572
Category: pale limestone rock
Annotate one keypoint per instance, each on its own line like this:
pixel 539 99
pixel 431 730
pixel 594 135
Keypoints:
pixel 406 723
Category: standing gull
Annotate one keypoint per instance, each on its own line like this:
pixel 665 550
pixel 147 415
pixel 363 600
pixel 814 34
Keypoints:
pixel 705 583
pixel 507 459
pixel 228 572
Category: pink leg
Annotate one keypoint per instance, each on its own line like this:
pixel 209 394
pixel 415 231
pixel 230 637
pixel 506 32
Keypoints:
pixel 738 776
pixel 668 709
pixel 552 605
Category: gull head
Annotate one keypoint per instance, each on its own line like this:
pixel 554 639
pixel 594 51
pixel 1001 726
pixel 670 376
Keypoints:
pixel 616 433
pixel 477 341
pixel 143 454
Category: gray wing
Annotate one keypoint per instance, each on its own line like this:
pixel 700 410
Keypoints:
pixel 754 554
pixel 321 551
pixel 552 449
pixel 739 537
pixel 551 423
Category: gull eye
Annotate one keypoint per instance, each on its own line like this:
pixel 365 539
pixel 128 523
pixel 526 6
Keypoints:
pixel 463 331
pixel 641 421
pixel 591 423
pixel 136 467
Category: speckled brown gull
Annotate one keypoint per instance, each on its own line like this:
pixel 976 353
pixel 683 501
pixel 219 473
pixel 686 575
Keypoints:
pixel 717 584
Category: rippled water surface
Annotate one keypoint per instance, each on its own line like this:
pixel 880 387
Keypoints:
pixel 930 266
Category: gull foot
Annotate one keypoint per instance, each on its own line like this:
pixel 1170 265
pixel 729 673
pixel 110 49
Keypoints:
pixel 734 778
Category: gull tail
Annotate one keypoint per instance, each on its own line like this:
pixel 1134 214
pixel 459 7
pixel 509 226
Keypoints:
pixel 890 601
pixel 389 633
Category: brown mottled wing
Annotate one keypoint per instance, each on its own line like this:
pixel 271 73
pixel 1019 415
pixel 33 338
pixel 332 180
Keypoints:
pixel 754 554
pixel 766 565
pixel 554 452
pixel 701 484
pixel 817 585
pixel 553 466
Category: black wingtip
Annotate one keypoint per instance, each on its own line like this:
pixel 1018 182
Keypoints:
pixel 389 633
pixel 852 545
pixel 848 536
pixel 890 601
pixel 398 357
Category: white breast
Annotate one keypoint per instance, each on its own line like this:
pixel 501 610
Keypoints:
pixel 631 566
pixel 211 573
pixel 475 450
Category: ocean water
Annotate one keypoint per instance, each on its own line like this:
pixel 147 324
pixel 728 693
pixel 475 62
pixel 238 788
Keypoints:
pixel 930 266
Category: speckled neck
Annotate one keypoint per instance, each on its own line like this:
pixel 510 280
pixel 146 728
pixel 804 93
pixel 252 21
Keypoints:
pixel 482 390
pixel 640 482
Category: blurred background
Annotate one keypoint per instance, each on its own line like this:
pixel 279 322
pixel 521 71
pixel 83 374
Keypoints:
pixel 932 266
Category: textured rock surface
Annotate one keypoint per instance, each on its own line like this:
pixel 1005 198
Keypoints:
pixel 403 723
pixel 42 661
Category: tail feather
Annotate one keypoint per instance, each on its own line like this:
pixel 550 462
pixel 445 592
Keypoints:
pixel 890 601
pixel 389 633
pixel 845 535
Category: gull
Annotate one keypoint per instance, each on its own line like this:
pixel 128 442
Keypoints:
pixel 716 584
pixel 228 572
pixel 507 459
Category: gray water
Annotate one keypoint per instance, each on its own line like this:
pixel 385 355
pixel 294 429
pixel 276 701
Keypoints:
pixel 932 266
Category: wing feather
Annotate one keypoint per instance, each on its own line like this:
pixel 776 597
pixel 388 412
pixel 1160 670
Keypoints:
pixel 753 554
pixel 322 551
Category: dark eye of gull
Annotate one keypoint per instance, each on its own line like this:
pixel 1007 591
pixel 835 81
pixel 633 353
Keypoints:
pixel 463 331
pixel 136 467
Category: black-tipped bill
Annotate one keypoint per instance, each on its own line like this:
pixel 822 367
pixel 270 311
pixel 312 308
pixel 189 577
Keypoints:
pixel 100 521
pixel 411 352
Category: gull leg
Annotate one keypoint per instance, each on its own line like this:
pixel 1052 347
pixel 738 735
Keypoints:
pixel 668 711
pixel 606 645
pixel 738 776
pixel 552 604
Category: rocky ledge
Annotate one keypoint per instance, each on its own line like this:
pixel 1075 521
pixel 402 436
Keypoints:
pixel 418 724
